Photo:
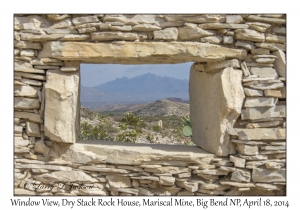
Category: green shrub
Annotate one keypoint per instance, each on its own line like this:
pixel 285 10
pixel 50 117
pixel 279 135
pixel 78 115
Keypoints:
pixel 130 119
pixel 156 128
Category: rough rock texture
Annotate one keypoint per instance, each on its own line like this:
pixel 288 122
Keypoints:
pixel 61 93
pixel 220 97
pixel 138 52
pixel 236 56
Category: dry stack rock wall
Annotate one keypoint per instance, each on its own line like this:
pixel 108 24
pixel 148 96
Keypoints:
pixel 237 92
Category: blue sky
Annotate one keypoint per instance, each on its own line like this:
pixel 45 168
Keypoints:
pixel 96 74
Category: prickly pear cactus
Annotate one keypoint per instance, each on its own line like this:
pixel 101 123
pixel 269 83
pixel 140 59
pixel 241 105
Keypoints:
pixel 187 131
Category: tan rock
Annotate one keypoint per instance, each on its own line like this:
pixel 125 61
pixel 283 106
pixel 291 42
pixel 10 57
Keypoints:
pixel 275 38
pixel 260 102
pixel 212 67
pixel 264 124
pixel 212 39
pixel 213 136
pixel 193 32
pixel 249 35
pixel 245 44
pixel 261 134
pixel 254 157
pixel 20 142
pixel 265 19
pixel 26 103
pixel 238 162
pixel 166 34
pixel 264 72
pixel 23 192
pixel 40 38
pixel 259 51
pixel 31 22
pixel 58 17
pixel 30 76
pixel 33 129
pixel 273 93
pixel 62 24
pixel 189 186
pixel 147 52
pixel 84 19
pixel 265 186
pixel 117 181
pixel 41 148
pixel 241 175
pixel 87 30
pixel 271 46
pixel 30 116
pixel 228 40
pixel 41 166
pixel 234 18
pixel 27 45
pixel 252 92
pixel 209 18
pixel 27 91
pixel 26 67
pixel 120 28
pixel 145 27
pixel 223 25
pixel 106 36
pixel 237 184
pixel 75 37
pixel 247 149
pixel 67 176
pixel 62 109
pixel 280 63
pixel 268 175
pixel 166 180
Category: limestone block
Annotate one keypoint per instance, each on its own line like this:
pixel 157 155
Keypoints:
pixel 33 129
pixel 60 31
pixel 261 134
pixel 238 162
pixel 139 52
pixel 87 30
pixel 26 103
pixel 275 38
pixel 234 18
pixel 213 66
pixel 192 32
pixel 75 37
pixel 62 106
pixel 67 176
pixel 227 40
pixel 40 38
pixel 273 93
pixel 260 102
pixel 120 28
pixel 31 22
pixel 268 175
pixel 209 18
pixel 272 46
pixel 166 180
pixel 118 181
pixel 41 148
pixel 252 92
pixel 26 67
pixel 236 184
pixel 56 17
pixel 241 176
pixel 189 186
pixel 280 63
pixel 265 19
pixel 264 72
pixel 249 35
pixel 106 36
pixel 27 91
pixel 84 19
pixel 247 149
pixel 166 34
pixel 20 142
pixel 223 25
pixel 62 24
pixel 260 51
pixel 245 44
pixel 212 39
pixel 27 45
pixel 220 97
pixel 145 27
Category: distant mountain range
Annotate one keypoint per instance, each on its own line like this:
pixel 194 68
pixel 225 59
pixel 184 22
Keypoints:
pixel 140 89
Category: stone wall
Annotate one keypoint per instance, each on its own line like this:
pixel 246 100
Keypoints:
pixel 237 93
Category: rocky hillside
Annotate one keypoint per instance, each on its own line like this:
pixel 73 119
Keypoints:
pixel 143 88
pixel 164 108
